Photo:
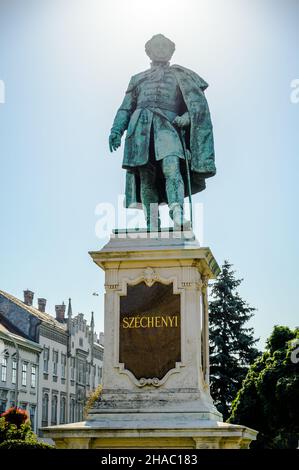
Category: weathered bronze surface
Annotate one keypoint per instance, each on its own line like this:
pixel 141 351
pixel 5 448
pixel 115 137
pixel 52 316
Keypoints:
pixel 150 330
pixel 169 149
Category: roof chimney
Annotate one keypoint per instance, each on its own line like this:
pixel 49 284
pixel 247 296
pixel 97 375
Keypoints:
pixel 28 297
pixel 42 305
pixel 60 311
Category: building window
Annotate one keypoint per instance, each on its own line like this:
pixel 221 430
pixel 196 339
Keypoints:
pixel 100 374
pixel 24 375
pixel 46 360
pixel 80 411
pixel 4 369
pixel 88 374
pixel 2 406
pixel 81 373
pixel 33 375
pixel 62 410
pixel 14 372
pixel 72 410
pixel 81 342
pixel 55 362
pixel 72 368
pixel 45 409
pixel 54 410
pixel 32 416
pixel 63 365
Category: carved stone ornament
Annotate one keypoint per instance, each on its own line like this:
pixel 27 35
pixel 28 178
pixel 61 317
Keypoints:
pixel 150 276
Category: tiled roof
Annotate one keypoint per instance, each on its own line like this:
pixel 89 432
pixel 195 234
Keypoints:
pixel 44 317
pixel 14 336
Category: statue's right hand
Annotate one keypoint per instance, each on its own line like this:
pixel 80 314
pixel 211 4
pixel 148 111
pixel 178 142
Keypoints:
pixel 114 141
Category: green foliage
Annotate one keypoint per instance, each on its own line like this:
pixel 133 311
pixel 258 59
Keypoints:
pixel 92 398
pixel 16 432
pixel 232 347
pixel 10 431
pixel 278 338
pixel 268 399
pixel 21 444
pixel 15 415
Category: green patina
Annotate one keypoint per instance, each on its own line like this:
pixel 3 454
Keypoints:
pixel 169 148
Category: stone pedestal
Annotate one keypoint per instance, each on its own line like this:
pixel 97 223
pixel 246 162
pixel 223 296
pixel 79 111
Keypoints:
pixel 156 357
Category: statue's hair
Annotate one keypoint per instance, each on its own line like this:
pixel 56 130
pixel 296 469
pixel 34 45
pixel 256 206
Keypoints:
pixel 148 44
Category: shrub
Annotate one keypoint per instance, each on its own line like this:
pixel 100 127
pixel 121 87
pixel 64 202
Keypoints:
pixel 268 399
pixel 92 398
pixel 21 444
pixel 15 416
pixel 16 432
pixel 11 431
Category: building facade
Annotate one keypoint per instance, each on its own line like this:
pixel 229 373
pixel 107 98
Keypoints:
pixel 19 374
pixel 70 358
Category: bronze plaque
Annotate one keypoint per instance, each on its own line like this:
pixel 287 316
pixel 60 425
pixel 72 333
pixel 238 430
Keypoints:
pixel 150 330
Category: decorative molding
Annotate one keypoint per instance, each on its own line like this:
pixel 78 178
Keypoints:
pixel 205 330
pixel 154 381
pixel 205 283
pixel 46 331
pixel 190 278
pixel 111 280
pixel 98 354
pixel 111 287
pixel 149 276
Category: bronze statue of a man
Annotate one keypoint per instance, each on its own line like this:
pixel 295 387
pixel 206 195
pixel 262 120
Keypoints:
pixel 169 149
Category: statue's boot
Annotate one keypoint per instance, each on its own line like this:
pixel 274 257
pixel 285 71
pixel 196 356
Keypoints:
pixel 179 221
pixel 175 192
pixel 151 214
pixel 149 197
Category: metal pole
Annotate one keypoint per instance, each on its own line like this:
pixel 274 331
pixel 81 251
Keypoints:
pixel 187 156
pixel 189 189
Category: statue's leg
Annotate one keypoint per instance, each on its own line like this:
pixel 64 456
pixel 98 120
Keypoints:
pixel 149 196
pixel 174 190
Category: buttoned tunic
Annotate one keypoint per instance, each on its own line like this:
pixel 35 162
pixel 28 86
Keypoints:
pixel 152 106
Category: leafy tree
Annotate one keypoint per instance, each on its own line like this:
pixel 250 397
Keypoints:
pixel 232 347
pixel 268 399
pixel 16 432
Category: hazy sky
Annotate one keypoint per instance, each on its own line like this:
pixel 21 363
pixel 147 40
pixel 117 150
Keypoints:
pixel 66 65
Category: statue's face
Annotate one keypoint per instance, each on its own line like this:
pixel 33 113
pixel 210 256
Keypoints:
pixel 160 49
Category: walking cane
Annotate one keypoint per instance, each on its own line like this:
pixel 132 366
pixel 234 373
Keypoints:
pixel 187 154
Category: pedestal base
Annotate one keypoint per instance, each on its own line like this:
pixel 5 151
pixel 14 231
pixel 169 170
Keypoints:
pixel 148 431
pixel 156 361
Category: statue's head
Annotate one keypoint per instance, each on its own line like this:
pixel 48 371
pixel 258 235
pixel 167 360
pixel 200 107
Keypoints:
pixel 159 48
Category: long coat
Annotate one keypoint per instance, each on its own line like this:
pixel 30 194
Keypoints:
pixel 198 136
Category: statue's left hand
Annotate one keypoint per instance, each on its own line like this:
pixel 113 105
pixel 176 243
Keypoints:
pixel 182 121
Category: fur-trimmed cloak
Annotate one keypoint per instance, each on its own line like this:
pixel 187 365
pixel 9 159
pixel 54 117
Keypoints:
pixel 198 136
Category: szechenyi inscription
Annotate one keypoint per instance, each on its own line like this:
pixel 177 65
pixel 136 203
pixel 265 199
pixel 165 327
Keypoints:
pixel 166 321
pixel 150 330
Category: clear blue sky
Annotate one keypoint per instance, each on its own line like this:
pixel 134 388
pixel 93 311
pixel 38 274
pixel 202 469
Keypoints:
pixel 66 65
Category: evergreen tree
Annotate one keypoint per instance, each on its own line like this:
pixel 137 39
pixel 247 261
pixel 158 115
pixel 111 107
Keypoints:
pixel 232 347
pixel 268 399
